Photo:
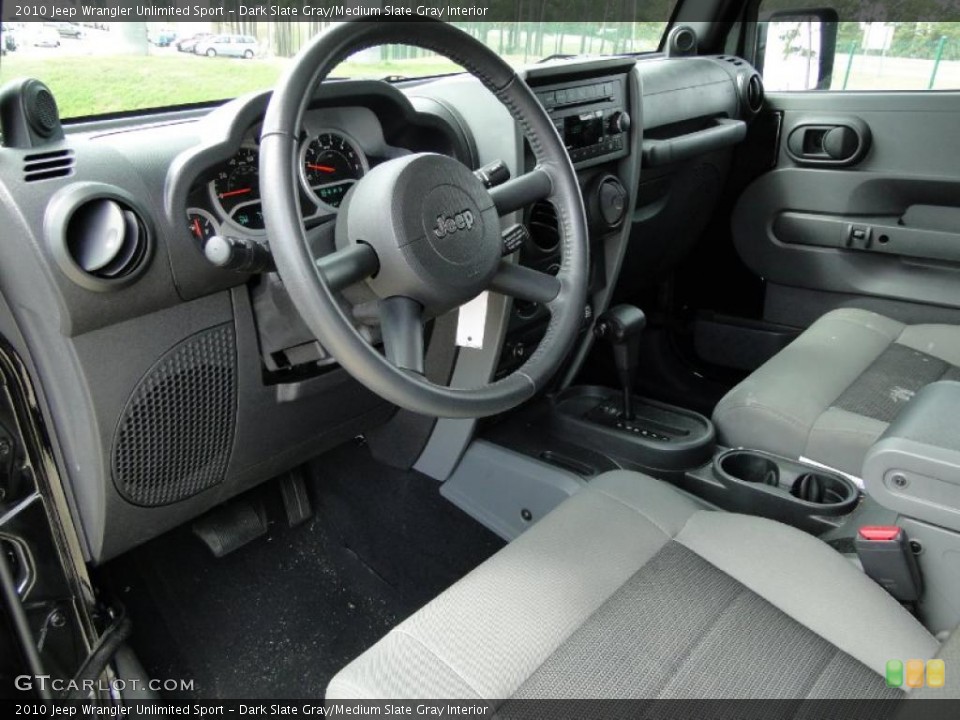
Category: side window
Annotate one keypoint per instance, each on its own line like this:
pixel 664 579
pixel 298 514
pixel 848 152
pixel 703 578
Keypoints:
pixel 812 50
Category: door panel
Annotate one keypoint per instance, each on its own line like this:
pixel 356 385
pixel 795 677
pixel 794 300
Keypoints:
pixel 882 229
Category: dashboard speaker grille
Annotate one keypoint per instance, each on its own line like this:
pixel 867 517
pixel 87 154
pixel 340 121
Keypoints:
pixel 175 436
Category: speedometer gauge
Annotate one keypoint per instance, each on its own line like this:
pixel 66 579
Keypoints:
pixel 236 188
pixel 329 166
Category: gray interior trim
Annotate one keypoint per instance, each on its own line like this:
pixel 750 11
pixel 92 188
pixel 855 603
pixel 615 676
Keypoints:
pixel 665 633
pixel 815 586
pixel 801 307
pixel 615 245
pixel 903 187
pixel 940 604
pixel 915 467
pixel 540 588
pixel 492 631
pixel 451 436
pixel 505 491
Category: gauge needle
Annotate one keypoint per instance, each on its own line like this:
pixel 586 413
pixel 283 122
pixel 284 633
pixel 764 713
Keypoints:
pixel 196 227
pixel 231 193
pixel 321 168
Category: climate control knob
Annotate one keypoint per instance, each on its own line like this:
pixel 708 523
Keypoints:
pixel 619 122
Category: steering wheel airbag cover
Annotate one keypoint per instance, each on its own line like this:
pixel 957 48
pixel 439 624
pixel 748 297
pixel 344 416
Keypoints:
pixel 433 225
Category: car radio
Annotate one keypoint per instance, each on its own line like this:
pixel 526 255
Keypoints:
pixel 590 117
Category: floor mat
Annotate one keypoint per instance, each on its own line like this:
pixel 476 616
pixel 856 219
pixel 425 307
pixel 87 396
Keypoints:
pixel 279 617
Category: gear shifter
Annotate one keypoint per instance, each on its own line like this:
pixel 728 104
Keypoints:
pixel 622 326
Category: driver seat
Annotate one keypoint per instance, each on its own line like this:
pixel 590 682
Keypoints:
pixel 631 589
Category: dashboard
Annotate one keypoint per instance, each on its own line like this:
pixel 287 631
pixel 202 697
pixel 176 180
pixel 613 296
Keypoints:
pixel 171 384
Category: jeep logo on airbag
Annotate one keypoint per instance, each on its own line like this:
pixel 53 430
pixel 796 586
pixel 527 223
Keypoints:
pixel 448 225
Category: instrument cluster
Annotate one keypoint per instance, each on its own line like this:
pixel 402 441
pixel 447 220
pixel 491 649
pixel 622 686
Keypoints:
pixel 330 162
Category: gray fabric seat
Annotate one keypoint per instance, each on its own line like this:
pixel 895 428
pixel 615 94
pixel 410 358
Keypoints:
pixel 630 589
pixel 832 392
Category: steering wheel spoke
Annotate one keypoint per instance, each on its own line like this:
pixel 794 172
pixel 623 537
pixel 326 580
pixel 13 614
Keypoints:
pixel 521 191
pixel 523 283
pixel 401 326
pixel 348 266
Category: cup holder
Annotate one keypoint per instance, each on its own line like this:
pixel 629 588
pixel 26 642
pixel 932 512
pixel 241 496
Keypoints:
pixel 751 468
pixel 821 489
pixel 780 488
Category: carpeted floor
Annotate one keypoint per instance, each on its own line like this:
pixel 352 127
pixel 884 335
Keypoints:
pixel 280 616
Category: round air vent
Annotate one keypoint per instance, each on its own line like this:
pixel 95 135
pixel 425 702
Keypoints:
pixel 544 226
pixel 753 93
pixel 99 235
pixel 606 202
pixel 106 239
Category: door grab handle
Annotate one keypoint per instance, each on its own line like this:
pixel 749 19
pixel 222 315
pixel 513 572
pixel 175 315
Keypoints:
pixel 723 133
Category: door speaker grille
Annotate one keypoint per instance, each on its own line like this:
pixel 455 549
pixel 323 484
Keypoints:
pixel 176 433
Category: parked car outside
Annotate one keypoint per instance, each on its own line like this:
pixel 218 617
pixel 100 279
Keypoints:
pixel 66 29
pixel 244 46
pixel 164 38
pixel 188 44
pixel 45 37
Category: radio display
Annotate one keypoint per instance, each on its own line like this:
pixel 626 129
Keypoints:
pixel 583 130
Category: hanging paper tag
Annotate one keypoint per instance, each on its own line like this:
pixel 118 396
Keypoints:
pixel 471 322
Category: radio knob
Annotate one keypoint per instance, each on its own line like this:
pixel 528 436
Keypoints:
pixel 619 122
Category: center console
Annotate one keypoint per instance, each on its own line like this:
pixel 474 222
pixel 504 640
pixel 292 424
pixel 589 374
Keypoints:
pixel 588 430
pixel 592 115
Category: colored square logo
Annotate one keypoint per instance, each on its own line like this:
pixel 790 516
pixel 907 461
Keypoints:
pixel 936 673
pixel 915 673
pixel 894 673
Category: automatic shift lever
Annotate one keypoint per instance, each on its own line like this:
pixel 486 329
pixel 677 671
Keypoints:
pixel 621 326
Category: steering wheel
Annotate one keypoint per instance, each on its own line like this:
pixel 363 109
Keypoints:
pixel 422 231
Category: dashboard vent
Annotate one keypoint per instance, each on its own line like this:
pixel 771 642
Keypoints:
pixel 48 165
pixel 754 93
pixel 106 239
pixel 544 226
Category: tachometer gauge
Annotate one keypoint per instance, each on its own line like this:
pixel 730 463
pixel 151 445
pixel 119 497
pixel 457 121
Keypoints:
pixel 201 225
pixel 329 166
pixel 236 188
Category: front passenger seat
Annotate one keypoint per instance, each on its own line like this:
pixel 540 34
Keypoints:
pixel 630 589
pixel 831 393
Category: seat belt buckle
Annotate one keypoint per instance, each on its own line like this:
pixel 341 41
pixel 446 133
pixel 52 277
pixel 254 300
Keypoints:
pixel 888 560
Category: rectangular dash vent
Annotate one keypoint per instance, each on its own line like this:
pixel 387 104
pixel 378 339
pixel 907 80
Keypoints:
pixel 48 165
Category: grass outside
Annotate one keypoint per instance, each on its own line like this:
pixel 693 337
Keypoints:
pixel 93 85
pixel 90 85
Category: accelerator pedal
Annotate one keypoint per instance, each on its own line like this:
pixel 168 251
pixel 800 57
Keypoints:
pixel 231 526
pixel 296 501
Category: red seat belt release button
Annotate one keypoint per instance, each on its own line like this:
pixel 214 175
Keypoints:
pixel 879 532
pixel 888 560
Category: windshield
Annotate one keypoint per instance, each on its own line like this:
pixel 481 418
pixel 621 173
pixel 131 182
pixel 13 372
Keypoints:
pixel 98 68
